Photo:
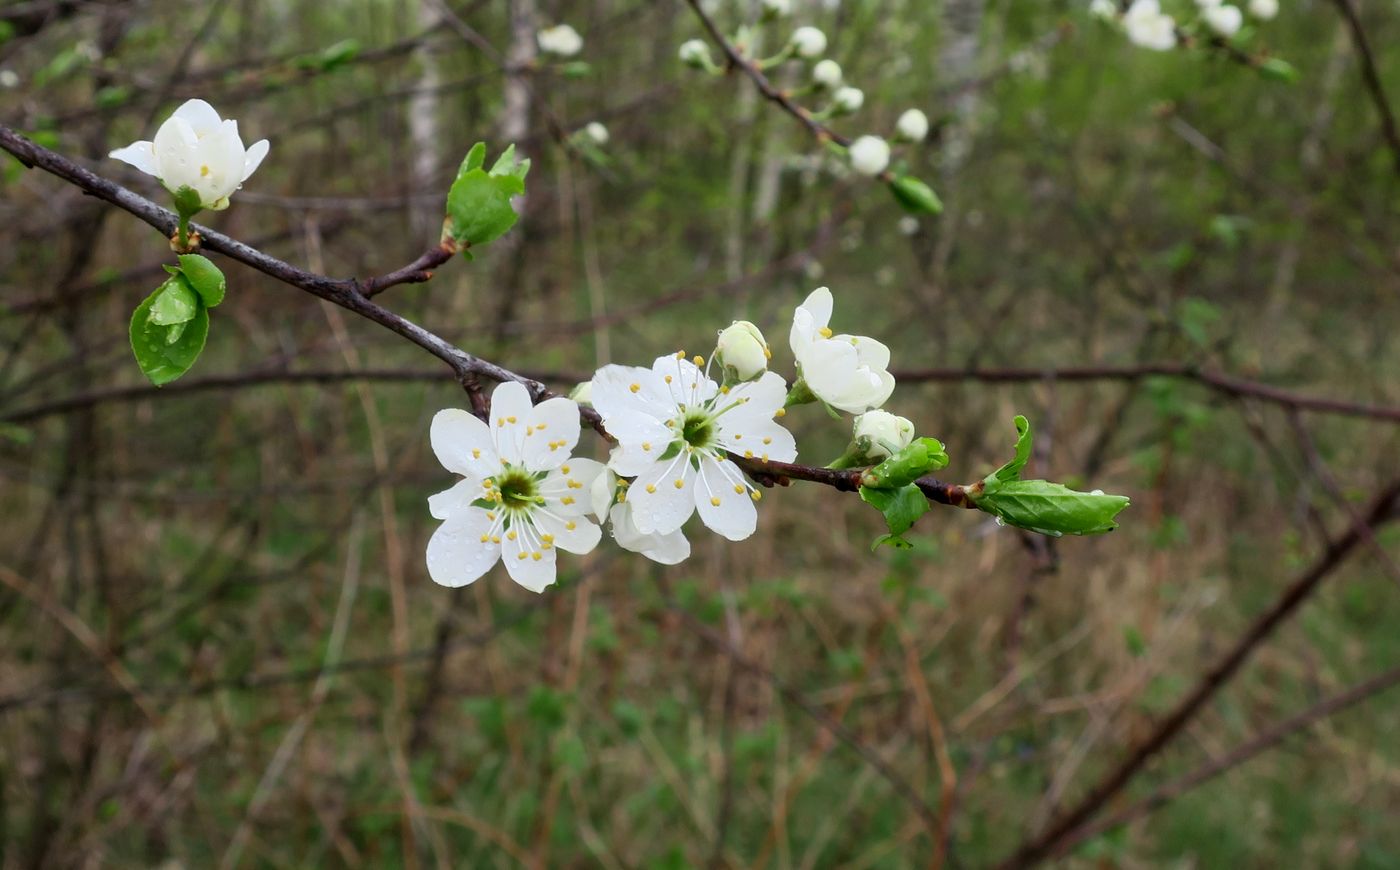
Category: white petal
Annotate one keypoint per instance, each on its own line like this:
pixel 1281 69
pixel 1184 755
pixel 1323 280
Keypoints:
pixel 578 535
pixel 658 504
pixel 456 554
pixel 463 444
pixel 758 400
pixel 455 499
pixel 526 559
pixel 510 409
pixel 600 494
pixel 142 155
pixel 819 304
pixel 622 389
pixel 567 489
pixel 640 442
pixel 253 158
pixel 177 160
pixel 870 352
pixel 551 434
pixel 671 548
pixel 730 513
pixel 201 117
pixel 684 382
pixel 221 158
pixel 765 439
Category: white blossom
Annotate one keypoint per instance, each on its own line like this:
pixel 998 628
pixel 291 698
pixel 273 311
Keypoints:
pixel 870 155
pixel 909 225
pixel 1264 10
pixel 561 40
pixel 522 492
pixel 912 125
pixel 742 351
pixel 1104 9
pixel 881 434
pixel 597 132
pixel 674 427
pixel 808 42
pixel 197 149
pixel 671 548
pixel 849 372
pixel 827 74
pixel 1224 20
pixel 847 100
pixel 9 78
pixel 776 8
pixel 696 53
pixel 1149 27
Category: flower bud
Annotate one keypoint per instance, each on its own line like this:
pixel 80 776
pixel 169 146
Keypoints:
pixel 1264 10
pixel 597 132
pixel 561 40
pixel 776 8
pixel 1224 20
pixel 695 53
pixel 1105 10
pixel 912 126
pixel 870 155
pixel 808 42
pixel 880 434
pixel 847 100
pixel 742 351
pixel 827 74
pixel 583 393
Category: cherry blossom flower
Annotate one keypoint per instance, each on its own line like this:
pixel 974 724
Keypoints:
pixel 674 427
pixel 195 148
pixel 849 372
pixel 522 494
pixel 808 42
pixel 742 351
pixel 882 434
pixel 870 155
pixel 561 40
pixel 827 74
pixel 1264 10
pixel 912 126
pixel 1149 27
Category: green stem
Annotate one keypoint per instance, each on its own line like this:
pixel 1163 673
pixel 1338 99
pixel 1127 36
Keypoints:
pixel 800 394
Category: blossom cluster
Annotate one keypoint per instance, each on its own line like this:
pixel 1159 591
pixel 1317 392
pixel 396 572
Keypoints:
pixel 869 154
pixel 683 430
pixel 1147 26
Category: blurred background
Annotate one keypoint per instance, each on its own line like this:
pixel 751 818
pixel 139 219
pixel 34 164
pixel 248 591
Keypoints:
pixel 219 645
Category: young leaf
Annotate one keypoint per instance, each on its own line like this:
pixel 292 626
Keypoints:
pixel 478 205
pixel 901 507
pixel 173 302
pixel 915 196
pixel 1051 508
pixel 1012 469
pixel 475 159
pixel 164 358
pixel 908 465
pixel 204 277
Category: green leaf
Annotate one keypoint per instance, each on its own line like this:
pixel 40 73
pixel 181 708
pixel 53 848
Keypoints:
pixel 915 196
pixel 901 508
pixel 173 302
pixel 1051 508
pixel 1278 70
pixel 1039 505
pixel 478 205
pixel 161 358
pixel 204 277
pixel 1012 469
pixel 924 455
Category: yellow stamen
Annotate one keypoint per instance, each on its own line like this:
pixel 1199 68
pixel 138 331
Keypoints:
pixel 826 332
pixel 680 484
pixel 635 388
pixel 571 525
pixel 715 501
pixel 651 487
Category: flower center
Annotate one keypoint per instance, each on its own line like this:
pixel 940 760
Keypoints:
pixel 518 489
pixel 698 429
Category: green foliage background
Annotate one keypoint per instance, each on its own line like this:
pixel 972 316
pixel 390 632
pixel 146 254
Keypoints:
pixel 1104 205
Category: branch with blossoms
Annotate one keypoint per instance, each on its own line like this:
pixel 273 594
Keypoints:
pixel 699 435
pixel 1214 24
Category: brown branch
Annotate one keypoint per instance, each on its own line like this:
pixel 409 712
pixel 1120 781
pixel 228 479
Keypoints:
pixel 1261 742
pixel 1219 382
pixel 1371 77
pixel 1052 841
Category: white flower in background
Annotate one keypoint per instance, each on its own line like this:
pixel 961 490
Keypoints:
pixel 808 42
pixel 696 53
pixel 881 434
pixel 870 155
pixel 776 8
pixel 1264 10
pixel 1224 20
pixel 583 393
pixel 671 548
pixel 847 100
pixel 194 148
pixel 521 466
pixel 909 225
pixel 597 132
pixel 1148 27
pixel 674 427
pixel 561 40
pixel 827 74
pixel 912 125
pixel 9 78
pixel 849 372
pixel 1103 9
pixel 742 351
